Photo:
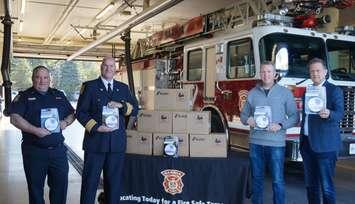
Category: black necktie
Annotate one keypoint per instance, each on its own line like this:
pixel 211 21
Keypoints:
pixel 109 89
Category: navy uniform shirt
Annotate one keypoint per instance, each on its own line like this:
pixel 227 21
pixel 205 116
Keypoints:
pixel 29 103
pixel 89 113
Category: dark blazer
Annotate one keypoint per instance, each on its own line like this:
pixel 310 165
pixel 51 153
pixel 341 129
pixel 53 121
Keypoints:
pixel 92 98
pixel 324 134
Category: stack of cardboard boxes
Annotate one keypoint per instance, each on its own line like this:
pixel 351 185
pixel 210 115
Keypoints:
pixel 172 116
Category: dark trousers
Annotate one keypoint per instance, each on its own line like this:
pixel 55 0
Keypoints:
pixel 318 172
pixel 39 163
pixel 111 164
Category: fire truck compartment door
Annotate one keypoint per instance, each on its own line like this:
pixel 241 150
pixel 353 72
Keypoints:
pixel 210 76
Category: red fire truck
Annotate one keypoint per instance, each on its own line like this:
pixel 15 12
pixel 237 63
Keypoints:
pixel 223 64
pixel 225 67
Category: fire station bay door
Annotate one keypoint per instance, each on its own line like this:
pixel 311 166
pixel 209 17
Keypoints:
pixel 210 74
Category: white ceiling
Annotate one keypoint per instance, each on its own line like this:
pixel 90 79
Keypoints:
pixel 41 16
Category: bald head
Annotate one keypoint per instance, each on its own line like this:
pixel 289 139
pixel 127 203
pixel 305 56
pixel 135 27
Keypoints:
pixel 108 68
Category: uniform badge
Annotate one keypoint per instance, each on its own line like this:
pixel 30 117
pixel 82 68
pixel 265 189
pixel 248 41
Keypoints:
pixel 31 99
pixel 173 181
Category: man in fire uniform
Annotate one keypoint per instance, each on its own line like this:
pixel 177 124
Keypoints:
pixel 43 152
pixel 104 146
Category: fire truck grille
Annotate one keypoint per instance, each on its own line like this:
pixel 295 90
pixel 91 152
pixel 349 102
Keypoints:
pixel 347 124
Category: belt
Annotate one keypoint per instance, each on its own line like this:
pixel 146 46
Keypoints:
pixel 52 147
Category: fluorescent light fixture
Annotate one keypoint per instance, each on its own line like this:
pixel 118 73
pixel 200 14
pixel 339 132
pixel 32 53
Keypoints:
pixel 23 7
pixel 125 13
pixel 20 26
pixel 105 10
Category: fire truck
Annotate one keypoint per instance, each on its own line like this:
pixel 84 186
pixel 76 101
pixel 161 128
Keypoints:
pixel 221 62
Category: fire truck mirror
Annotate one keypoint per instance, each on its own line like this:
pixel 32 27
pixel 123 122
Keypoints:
pixel 281 59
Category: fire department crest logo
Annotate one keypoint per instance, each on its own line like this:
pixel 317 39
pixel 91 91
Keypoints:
pixel 243 94
pixel 173 181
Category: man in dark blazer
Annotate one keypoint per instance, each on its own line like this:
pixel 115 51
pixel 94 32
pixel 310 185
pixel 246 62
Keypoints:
pixel 320 138
pixel 104 146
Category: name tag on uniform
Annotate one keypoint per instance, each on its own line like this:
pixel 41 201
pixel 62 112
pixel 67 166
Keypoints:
pixel 110 117
pixel 31 99
pixel 50 120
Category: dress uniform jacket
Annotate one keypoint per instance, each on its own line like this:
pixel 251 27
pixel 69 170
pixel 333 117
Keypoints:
pixel 89 113
pixel 29 103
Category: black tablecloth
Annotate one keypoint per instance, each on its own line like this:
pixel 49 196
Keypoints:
pixel 186 180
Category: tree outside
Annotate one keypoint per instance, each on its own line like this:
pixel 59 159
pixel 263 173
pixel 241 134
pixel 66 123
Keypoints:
pixel 66 76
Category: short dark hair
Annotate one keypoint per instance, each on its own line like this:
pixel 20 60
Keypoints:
pixel 268 63
pixel 317 60
pixel 37 69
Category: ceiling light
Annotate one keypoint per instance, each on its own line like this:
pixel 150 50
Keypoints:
pixel 105 10
pixel 132 22
pixel 21 26
pixel 125 13
pixel 23 7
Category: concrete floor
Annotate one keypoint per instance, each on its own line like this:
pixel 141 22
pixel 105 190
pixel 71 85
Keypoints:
pixel 13 187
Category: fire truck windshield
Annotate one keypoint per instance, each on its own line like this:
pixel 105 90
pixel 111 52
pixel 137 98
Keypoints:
pixel 341 59
pixel 299 50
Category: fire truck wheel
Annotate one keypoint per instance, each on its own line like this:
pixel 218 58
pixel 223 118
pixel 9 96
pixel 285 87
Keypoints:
pixel 216 123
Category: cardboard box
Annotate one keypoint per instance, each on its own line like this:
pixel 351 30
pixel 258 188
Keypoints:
pixel 180 122
pixel 158 144
pixel 208 145
pixel 164 122
pixel 146 121
pixel 184 99
pixel 155 121
pixel 164 99
pixel 173 99
pixel 139 142
pixel 199 122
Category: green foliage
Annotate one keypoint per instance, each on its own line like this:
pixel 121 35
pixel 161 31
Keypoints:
pixel 66 76
pixel 20 74
pixel 68 79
